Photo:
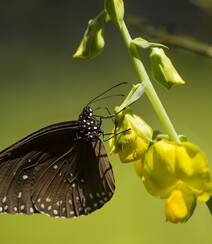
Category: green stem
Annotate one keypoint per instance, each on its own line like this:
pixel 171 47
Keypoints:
pixel 150 91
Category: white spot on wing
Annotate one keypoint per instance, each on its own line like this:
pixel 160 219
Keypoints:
pixel 4 199
pixel 55 212
pixel 25 177
pixel 19 194
pixel 55 166
pixel 49 207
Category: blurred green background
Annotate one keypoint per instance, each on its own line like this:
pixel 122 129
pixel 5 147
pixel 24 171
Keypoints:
pixel 41 84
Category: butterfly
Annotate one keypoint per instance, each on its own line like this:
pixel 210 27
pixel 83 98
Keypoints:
pixel 61 170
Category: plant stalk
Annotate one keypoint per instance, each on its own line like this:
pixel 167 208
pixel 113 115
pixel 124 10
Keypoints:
pixel 150 91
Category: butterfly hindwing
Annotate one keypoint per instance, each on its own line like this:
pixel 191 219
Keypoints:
pixel 16 184
pixel 77 183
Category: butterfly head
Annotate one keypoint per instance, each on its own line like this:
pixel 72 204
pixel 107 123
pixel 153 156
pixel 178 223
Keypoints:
pixel 90 126
pixel 87 112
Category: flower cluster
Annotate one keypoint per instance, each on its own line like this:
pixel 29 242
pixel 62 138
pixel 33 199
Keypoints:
pixel 176 172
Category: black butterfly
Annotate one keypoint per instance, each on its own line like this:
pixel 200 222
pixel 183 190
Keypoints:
pixel 61 170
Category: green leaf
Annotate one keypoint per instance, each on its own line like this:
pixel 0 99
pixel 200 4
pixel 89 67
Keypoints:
pixel 115 9
pixel 136 92
pixel 92 42
pixel 209 204
pixel 142 43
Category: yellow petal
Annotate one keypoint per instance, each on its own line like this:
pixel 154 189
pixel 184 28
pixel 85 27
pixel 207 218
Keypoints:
pixel 180 205
pixel 159 169
pixel 192 168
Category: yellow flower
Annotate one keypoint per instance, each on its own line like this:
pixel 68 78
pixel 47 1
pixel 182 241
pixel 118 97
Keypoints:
pixel 132 136
pixel 178 173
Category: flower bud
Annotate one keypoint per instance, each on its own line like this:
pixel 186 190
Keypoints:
pixel 132 136
pixel 93 42
pixel 163 70
pixel 115 9
pixel 180 205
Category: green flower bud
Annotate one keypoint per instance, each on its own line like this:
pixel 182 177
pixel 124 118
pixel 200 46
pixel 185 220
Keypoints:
pixel 93 42
pixel 132 136
pixel 115 9
pixel 163 70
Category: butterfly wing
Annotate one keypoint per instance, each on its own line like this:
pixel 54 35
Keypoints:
pixel 52 172
pixel 18 163
pixel 75 184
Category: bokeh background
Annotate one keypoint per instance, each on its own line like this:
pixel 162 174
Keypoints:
pixel 41 84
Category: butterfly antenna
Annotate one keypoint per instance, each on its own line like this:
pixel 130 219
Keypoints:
pixel 115 134
pixel 106 97
pixel 103 93
pixel 110 114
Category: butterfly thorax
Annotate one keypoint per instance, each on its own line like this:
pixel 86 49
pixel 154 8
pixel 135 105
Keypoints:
pixel 89 125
